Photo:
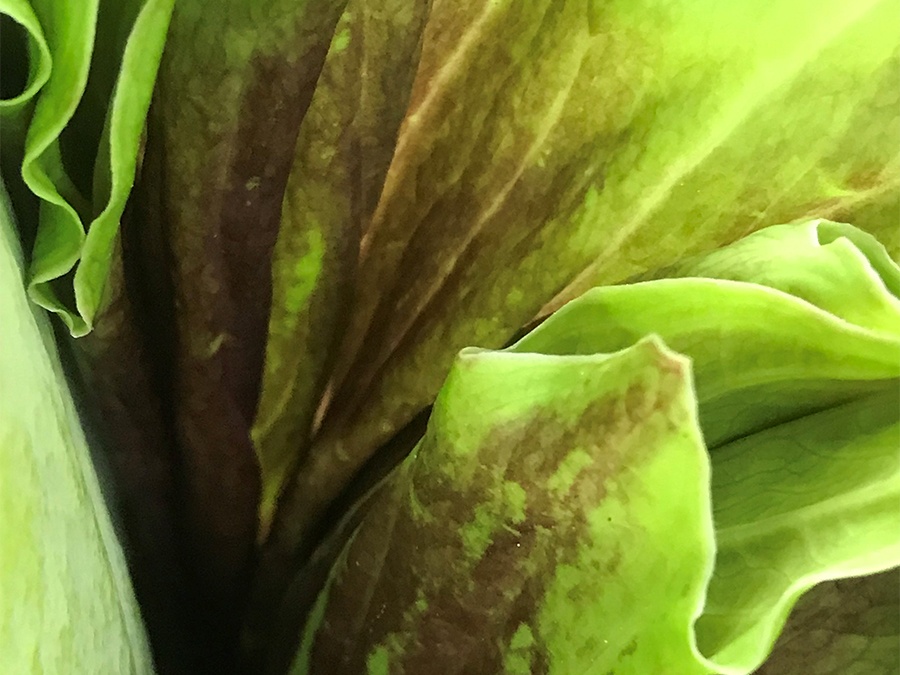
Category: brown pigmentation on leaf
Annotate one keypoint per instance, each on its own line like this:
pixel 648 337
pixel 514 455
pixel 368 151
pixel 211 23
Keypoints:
pixel 235 81
pixel 342 155
pixel 487 520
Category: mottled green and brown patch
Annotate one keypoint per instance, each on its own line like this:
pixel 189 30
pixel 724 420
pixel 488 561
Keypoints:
pixel 340 162
pixel 498 537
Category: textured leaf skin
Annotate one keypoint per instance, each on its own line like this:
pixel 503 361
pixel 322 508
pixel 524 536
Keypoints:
pixel 548 150
pixel 444 252
pixel 67 601
pixel 521 526
pixel 346 142
pixel 345 145
pixel 803 444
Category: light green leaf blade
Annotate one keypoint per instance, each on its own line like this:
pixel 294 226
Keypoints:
pixel 833 266
pixel 63 577
pixel 532 530
pixel 760 356
pixel 120 149
pixel 799 407
pixel 69 31
pixel 26 68
pixel 807 501
pixel 76 225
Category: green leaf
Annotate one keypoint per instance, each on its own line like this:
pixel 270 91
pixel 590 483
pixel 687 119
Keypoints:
pixel 345 145
pixel 548 149
pixel 806 479
pixel 30 67
pixel 833 266
pixel 760 356
pixel 26 68
pixel 60 234
pixel 63 577
pixel 533 532
pixel 75 225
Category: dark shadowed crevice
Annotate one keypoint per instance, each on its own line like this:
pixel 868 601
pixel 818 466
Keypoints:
pixel 80 142
pixel 311 567
pixel 13 57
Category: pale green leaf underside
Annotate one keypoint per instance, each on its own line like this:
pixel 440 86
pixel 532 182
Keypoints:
pixel 813 499
pixel 833 266
pixel 67 601
pixel 761 355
